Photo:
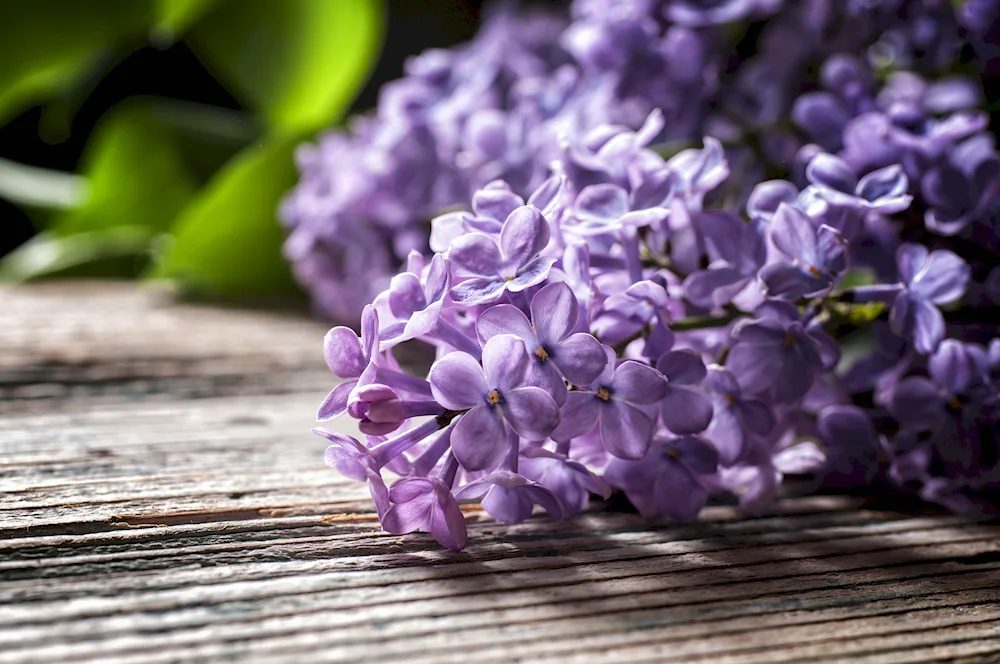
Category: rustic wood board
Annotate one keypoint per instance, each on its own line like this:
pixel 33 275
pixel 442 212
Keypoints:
pixel 162 500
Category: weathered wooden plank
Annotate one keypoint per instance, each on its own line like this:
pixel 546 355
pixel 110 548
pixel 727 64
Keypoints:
pixel 162 500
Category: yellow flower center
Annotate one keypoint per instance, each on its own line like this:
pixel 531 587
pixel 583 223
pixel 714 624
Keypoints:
pixel 813 270
pixel 541 354
pixel 955 403
pixel 506 279
pixel 493 397
pixel 603 394
pixel 789 340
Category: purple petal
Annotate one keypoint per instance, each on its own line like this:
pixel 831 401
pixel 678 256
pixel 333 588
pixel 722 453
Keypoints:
pixel 535 272
pixel 956 365
pixel 722 232
pixel 910 259
pixel 457 381
pixel 495 202
pixel 505 362
pixel 531 412
pixel 580 358
pixel 407 517
pixel 638 383
pixel 411 488
pixel 704 288
pixel 656 190
pixel 508 505
pixel 887 187
pixel 803 457
pixel 336 402
pixel 369 332
pixel 554 312
pixel 505 319
pixel 479 439
pixel 754 365
pixel 756 416
pixel 343 353
pixel 601 203
pixel 438 279
pixel 685 410
pixel 791 282
pixel 447 524
pixel 942 279
pixel 406 295
pixel 831 171
pixel 767 196
pixel 478 290
pixel 677 494
pixel 475 254
pixel 683 367
pixel 548 193
pixel 577 417
pixel 793 234
pixel 524 234
pixel 696 454
pixel 831 249
pixel 916 318
pixel 917 403
pixel 726 432
pixel 720 381
pixel 625 430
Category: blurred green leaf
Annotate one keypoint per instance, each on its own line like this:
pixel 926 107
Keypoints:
pixel 228 240
pixel 29 186
pixel 118 252
pixel 173 17
pixel 299 62
pixel 46 44
pixel 135 173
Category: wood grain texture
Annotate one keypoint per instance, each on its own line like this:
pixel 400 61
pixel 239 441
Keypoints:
pixel 162 500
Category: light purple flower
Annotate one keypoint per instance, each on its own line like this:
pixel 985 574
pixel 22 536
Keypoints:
pixel 816 256
pixel 355 461
pixel 666 481
pixel 685 409
pixel 351 358
pixel 494 397
pixel 737 250
pixel 883 190
pixel 613 404
pixel 555 351
pixel 416 300
pixel 735 419
pixel 570 481
pixel 489 269
pixel 509 497
pixel 426 505
pixel 930 279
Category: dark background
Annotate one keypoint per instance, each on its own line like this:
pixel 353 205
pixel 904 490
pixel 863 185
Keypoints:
pixel 412 26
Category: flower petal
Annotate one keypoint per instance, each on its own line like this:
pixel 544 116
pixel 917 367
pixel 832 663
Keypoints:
pixel 638 383
pixel 943 277
pixel 581 358
pixel 701 287
pixel 531 412
pixel 343 353
pixel 682 367
pixel 475 254
pixel 479 439
pixel 505 319
pixel 531 274
pixel 457 381
pixel 505 362
pixel 685 410
pixel 793 234
pixel 478 290
pixel 524 234
pixel 625 430
pixel 336 402
pixel 578 416
pixel 554 313
pixel 447 523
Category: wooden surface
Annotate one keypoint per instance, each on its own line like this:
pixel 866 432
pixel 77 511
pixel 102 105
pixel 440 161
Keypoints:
pixel 162 500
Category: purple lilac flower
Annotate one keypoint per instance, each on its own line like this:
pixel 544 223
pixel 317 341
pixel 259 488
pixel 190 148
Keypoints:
pixel 351 358
pixel 491 268
pixel 492 397
pixel 814 257
pixel 735 420
pixel 427 505
pixel 613 403
pixel 737 250
pixel 930 279
pixel 684 409
pixel 666 481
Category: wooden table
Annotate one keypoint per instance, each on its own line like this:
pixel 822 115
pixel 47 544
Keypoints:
pixel 162 500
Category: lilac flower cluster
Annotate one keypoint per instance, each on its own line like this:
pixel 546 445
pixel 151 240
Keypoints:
pixel 611 313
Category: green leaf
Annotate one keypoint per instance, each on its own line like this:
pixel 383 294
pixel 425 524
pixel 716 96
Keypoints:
pixel 173 17
pixel 228 241
pixel 117 252
pixel 136 175
pixel 299 62
pixel 45 45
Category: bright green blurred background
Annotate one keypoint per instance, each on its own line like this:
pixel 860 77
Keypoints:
pixel 173 188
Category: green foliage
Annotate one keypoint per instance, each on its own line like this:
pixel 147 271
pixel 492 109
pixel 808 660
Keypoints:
pixel 299 62
pixel 47 45
pixel 136 176
pixel 177 190
pixel 227 241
